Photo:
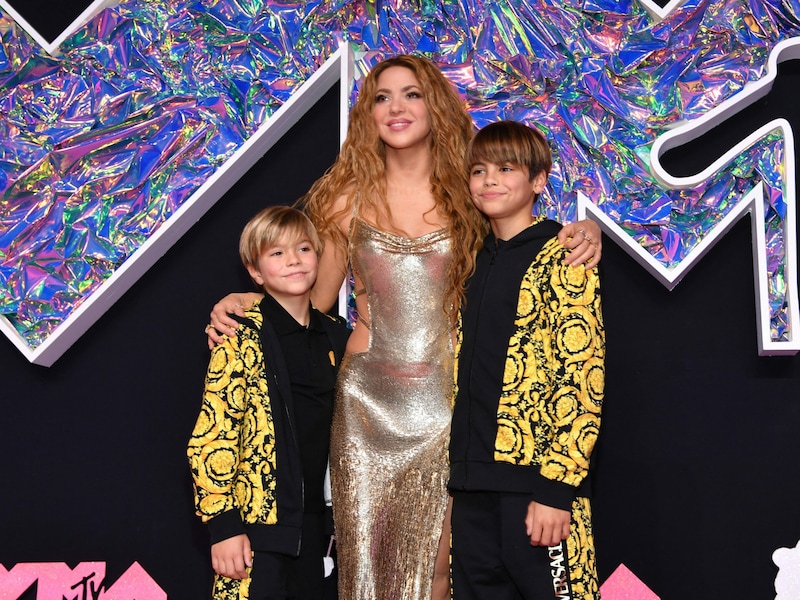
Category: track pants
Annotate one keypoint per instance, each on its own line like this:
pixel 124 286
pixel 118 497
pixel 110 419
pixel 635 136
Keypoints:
pixel 492 557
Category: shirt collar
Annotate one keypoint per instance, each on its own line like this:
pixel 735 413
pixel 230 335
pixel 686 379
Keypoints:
pixel 282 321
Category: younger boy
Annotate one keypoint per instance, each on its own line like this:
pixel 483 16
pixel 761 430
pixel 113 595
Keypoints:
pixel 259 450
pixel 530 378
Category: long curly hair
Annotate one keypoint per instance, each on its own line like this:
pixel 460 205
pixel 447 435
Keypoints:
pixel 359 170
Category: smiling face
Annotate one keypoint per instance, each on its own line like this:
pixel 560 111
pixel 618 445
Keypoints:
pixel 399 110
pixel 287 268
pixel 508 167
pixel 505 194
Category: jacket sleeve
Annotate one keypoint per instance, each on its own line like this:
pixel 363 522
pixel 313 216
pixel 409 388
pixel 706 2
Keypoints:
pixel 549 410
pixel 222 439
pixel 576 358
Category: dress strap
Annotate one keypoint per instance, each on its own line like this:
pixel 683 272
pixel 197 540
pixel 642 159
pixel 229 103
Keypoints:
pixel 356 293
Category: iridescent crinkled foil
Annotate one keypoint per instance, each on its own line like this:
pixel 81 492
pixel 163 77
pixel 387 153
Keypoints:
pixel 101 145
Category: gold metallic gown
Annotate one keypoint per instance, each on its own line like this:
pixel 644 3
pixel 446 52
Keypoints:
pixel 391 420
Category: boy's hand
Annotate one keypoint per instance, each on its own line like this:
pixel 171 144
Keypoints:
pixel 545 525
pixel 232 556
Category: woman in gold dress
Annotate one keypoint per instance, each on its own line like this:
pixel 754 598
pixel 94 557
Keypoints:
pixel 395 208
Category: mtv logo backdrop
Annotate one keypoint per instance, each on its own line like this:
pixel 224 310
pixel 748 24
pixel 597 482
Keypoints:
pixel 139 136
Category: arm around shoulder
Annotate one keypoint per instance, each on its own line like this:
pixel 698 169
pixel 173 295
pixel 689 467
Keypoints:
pixel 333 261
pixel 222 323
pixel 585 241
pixel 332 269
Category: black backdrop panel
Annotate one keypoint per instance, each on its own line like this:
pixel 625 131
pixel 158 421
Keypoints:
pixel 696 479
pixel 94 447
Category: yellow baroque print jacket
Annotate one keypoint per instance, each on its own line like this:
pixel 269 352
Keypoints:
pixel 242 432
pixel 530 371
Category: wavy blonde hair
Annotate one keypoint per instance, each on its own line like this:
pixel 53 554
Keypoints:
pixel 359 170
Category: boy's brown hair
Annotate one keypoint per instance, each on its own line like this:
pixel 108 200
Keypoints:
pixel 269 226
pixel 510 142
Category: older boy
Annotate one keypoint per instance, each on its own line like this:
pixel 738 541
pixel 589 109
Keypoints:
pixel 530 378
pixel 259 450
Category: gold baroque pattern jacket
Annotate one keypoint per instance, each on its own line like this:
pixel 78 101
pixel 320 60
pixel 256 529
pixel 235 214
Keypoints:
pixel 530 380
pixel 549 411
pixel 241 432
pixel 232 448
pixel 546 338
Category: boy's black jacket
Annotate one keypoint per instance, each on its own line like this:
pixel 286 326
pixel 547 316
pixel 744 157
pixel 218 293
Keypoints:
pixel 285 494
pixel 490 323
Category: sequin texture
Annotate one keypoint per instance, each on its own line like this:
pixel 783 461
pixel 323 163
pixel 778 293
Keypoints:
pixel 391 421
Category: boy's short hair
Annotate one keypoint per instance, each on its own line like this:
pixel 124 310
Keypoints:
pixel 270 225
pixel 510 142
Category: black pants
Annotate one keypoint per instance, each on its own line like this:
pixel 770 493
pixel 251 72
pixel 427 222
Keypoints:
pixel 492 555
pixel 280 577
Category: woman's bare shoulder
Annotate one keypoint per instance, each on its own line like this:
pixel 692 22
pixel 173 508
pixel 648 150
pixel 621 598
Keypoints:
pixel 344 210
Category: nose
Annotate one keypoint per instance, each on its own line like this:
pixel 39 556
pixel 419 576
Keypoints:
pixel 395 105
pixel 489 178
pixel 292 257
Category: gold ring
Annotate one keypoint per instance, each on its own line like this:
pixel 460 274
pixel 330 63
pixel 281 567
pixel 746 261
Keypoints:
pixel 207 328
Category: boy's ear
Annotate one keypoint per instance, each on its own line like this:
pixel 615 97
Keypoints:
pixel 538 182
pixel 255 275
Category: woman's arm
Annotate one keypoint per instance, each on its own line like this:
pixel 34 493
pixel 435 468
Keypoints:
pixel 331 271
pixel 221 321
pixel 333 261
pixel 585 241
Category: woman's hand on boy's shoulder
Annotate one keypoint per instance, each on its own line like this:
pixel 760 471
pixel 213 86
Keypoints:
pixel 222 323
pixel 584 240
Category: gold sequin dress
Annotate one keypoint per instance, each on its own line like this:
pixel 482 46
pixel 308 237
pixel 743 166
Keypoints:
pixel 392 420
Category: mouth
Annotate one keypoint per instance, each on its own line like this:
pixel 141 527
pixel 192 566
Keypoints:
pixel 398 124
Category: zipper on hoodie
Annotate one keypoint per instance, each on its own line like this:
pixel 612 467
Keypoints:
pixel 297 447
pixel 492 255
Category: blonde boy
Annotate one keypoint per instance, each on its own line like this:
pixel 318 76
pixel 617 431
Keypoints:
pixel 259 450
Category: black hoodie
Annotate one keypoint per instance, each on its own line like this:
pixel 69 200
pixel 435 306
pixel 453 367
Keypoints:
pixel 488 322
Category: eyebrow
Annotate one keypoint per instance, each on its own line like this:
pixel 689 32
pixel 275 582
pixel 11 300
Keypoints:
pixel 403 89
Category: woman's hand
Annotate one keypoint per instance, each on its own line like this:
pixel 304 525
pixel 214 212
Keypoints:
pixel 221 321
pixel 585 241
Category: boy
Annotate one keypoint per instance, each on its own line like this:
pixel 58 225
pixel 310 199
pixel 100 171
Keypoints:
pixel 259 450
pixel 530 379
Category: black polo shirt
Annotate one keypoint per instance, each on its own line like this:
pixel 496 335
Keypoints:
pixel 312 377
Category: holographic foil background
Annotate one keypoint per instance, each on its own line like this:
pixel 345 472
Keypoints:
pixel 99 146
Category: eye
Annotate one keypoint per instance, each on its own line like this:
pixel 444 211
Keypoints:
pixel 305 248
pixel 381 98
pixel 477 171
pixel 276 252
pixel 413 95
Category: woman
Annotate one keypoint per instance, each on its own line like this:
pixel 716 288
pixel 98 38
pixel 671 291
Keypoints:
pixel 396 209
